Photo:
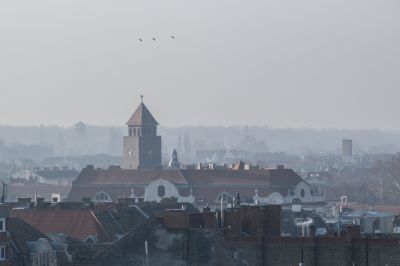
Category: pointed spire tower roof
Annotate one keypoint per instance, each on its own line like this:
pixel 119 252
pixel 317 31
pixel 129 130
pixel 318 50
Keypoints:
pixel 142 116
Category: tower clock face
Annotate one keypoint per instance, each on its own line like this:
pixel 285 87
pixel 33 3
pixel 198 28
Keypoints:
pixel 132 151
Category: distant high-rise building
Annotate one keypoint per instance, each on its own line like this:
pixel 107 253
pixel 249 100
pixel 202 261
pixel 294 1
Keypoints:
pixel 347 148
pixel 80 130
pixel 114 141
pixel 142 146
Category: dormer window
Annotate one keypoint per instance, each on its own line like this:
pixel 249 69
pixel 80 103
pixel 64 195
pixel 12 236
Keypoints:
pixel 225 196
pixel 102 197
pixel 91 239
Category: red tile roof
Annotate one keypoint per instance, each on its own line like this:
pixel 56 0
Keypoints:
pixel 128 176
pixel 254 178
pixel 76 224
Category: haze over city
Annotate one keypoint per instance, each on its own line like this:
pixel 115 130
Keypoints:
pixel 199 133
pixel 331 64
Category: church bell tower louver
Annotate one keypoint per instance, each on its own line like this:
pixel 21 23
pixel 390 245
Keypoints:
pixel 142 146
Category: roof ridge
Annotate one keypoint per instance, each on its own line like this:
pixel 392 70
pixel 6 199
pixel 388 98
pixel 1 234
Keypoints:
pixel 99 224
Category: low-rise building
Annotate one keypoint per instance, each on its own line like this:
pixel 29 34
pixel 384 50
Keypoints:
pixel 199 187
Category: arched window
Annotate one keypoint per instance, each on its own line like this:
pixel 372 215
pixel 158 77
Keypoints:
pixel 161 191
pixel 302 193
pixel 91 239
pixel 102 197
pixel 296 201
pixel 226 197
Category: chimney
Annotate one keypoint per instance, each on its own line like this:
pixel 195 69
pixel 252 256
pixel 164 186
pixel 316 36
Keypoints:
pixel 313 231
pixel 39 202
pixel 24 200
pixel 280 166
pixel 90 166
pixel 354 231
pixel 114 167
pixel 86 201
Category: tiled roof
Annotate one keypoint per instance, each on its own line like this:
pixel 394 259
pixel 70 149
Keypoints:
pixel 142 116
pixel 58 174
pixel 271 177
pixel 128 176
pixel 119 182
pixel 76 224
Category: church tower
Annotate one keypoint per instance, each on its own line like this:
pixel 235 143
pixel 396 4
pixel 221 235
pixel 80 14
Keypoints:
pixel 142 146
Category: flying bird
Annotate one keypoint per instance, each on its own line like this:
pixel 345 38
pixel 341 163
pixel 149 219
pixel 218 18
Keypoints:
pixel 154 39
pixel 172 37
pixel 140 39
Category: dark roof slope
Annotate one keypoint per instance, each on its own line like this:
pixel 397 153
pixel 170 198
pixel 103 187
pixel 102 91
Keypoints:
pixel 142 117
pixel 22 232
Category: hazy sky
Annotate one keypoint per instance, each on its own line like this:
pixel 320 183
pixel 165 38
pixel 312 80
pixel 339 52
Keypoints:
pixel 308 63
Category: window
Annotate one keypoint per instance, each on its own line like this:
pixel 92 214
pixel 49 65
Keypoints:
pixel 2 224
pixel 161 191
pixel 296 201
pixel 91 239
pixel 2 253
pixel 102 197
pixel 226 197
pixel 302 193
pixel 44 259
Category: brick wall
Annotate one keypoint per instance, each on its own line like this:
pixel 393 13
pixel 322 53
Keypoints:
pixel 289 251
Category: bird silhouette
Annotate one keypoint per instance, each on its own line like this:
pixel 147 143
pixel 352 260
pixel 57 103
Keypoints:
pixel 172 37
pixel 140 39
pixel 154 39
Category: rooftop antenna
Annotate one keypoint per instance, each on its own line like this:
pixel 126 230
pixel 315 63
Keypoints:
pixel 141 98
